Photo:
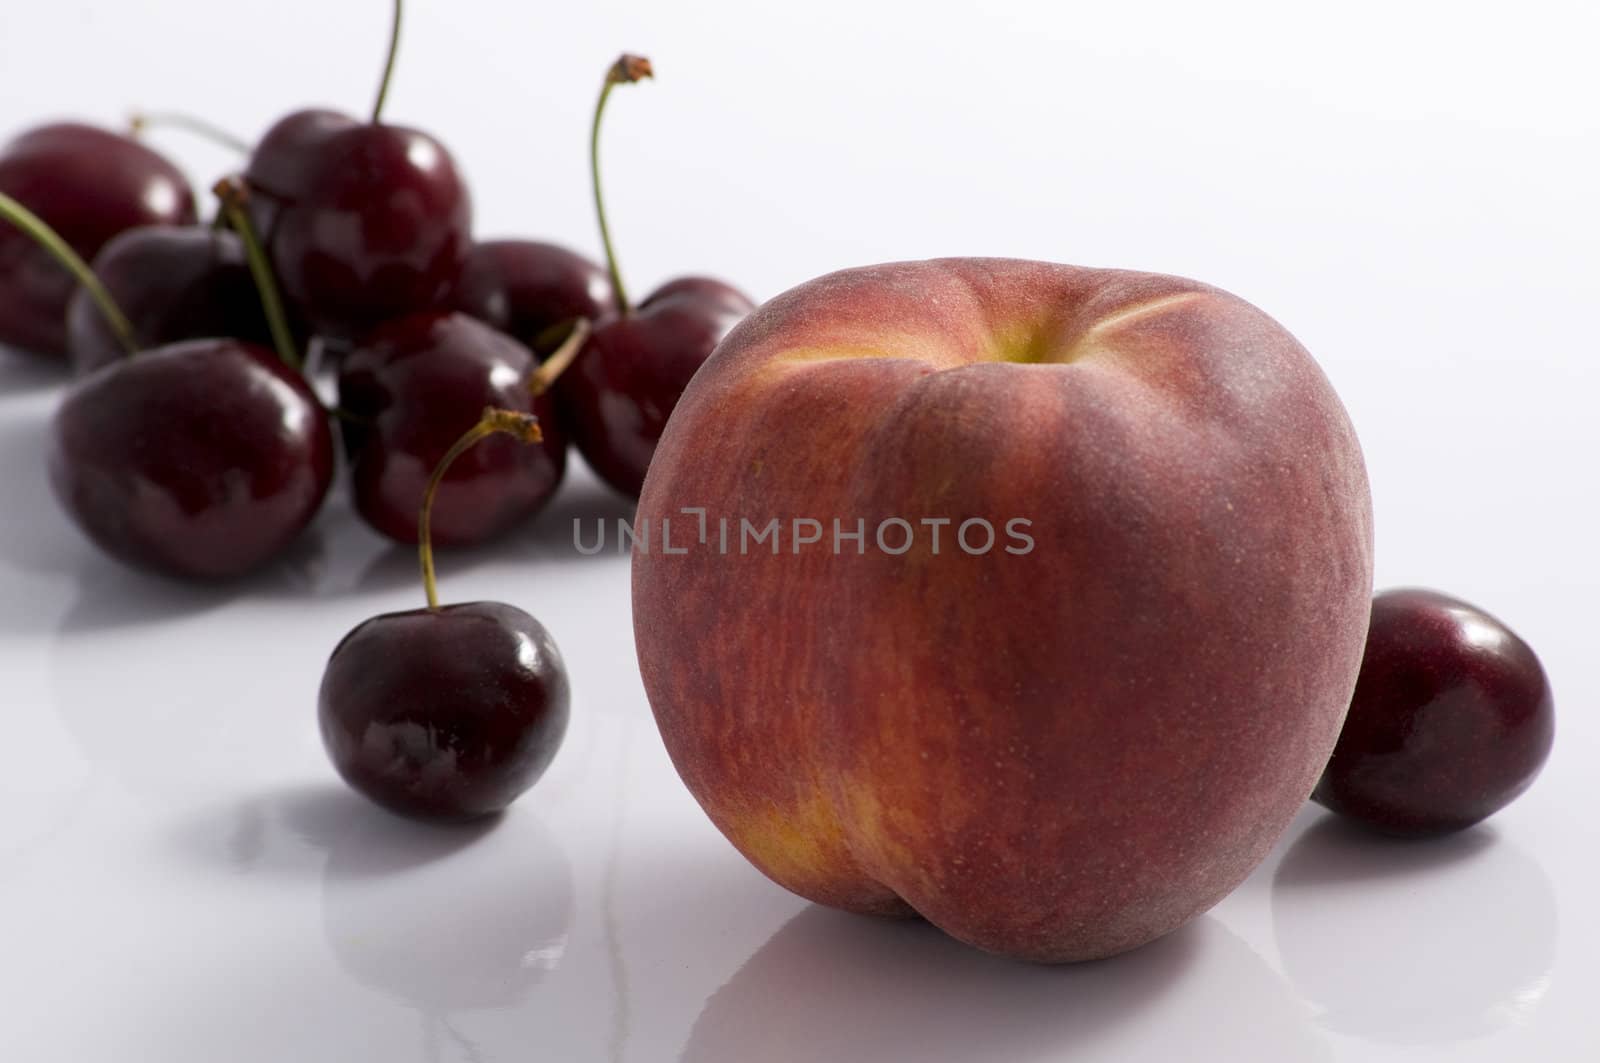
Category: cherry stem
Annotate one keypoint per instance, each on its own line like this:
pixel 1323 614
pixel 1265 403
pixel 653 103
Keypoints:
pixel 40 232
pixel 342 414
pixel 625 71
pixel 388 65
pixel 233 193
pixel 542 378
pixel 140 121
pixel 525 426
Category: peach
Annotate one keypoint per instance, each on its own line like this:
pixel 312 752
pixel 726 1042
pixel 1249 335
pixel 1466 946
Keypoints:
pixel 1062 745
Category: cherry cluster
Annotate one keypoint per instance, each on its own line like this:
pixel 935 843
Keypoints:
pixel 339 298
pixel 196 442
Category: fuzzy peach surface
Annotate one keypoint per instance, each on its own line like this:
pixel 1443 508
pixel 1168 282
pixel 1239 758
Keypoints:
pixel 1056 755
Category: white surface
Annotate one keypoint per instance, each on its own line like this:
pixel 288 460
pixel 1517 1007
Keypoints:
pixel 1408 187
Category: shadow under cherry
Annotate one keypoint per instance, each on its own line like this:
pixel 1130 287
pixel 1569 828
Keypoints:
pixel 444 920
pixel 298 830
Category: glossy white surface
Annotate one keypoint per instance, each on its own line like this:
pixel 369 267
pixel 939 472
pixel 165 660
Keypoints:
pixel 1408 187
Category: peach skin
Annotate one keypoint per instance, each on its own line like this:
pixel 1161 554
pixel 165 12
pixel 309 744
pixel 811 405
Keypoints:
pixel 1057 739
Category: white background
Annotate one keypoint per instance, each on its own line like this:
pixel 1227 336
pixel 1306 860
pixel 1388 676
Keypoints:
pixel 1409 187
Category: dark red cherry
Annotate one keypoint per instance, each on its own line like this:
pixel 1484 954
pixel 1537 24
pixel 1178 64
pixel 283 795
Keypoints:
pixel 88 185
pixel 173 283
pixel 278 159
pixel 364 222
pixel 619 393
pixel 201 459
pixel 705 290
pixel 412 388
pixel 525 288
pixel 447 713
pixel 1452 718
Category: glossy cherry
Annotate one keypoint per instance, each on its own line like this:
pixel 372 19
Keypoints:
pixel 623 387
pixel 451 712
pixel 364 221
pixel 278 160
pixel 448 713
pixel 1452 718
pixel 173 283
pixel 88 185
pixel 410 389
pixel 525 288
pixel 619 393
pixel 200 459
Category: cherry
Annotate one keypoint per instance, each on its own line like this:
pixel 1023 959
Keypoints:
pixel 621 390
pixel 88 185
pixel 364 221
pixel 1452 718
pixel 200 459
pixel 174 283
pixel 624 385
pixel 446 713
pixel 373 221
pixel 409 390
pixel 278 159
pixel 525 288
